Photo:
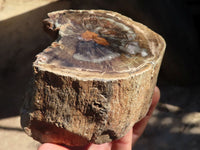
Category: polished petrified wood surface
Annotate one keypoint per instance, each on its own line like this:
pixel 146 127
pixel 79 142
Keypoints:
pixel 96 41
pixel 95 81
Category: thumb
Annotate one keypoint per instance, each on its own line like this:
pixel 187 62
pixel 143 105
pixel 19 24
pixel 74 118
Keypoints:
pixel 139 127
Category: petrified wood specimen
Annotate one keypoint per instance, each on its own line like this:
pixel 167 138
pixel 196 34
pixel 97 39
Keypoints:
pixel 95 81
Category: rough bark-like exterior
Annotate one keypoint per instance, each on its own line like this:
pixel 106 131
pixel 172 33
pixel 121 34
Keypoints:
pixel 79 107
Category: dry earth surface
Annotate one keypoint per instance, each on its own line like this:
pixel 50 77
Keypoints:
pixel 175 124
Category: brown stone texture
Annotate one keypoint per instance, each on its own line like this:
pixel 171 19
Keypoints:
pixel 76 107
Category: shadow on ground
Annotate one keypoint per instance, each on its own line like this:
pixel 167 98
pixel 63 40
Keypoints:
pixel 10 129
pixel 176 122
pixel 22 37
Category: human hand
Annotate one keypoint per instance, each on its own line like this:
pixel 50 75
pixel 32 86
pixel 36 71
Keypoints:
pixel 124 143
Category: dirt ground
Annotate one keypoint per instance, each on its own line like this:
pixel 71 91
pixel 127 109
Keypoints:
pixel 174 125
pixel 13 137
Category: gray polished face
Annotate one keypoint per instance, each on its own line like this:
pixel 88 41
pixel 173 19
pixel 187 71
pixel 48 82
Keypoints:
pixel 94 41
pixel 120 37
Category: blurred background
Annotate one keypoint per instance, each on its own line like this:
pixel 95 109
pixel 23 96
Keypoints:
pixel 176 122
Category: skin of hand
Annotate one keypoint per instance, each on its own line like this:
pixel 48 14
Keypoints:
pixel 124 143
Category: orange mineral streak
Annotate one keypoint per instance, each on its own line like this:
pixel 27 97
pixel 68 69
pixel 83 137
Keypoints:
pixel 88 35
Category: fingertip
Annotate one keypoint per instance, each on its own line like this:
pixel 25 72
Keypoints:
pixel 123 143
pixel 139 127
pixel 156 95
pixel 155 100
pixel 50 146
pixel 126 139
pixel 104 146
